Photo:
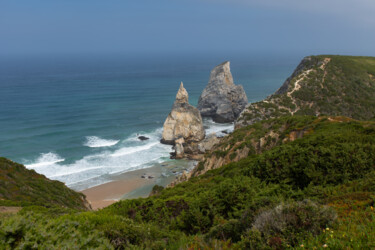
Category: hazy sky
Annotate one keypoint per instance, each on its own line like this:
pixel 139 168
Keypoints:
pixel 153 26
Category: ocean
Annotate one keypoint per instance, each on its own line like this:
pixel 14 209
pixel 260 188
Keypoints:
pixel 76 118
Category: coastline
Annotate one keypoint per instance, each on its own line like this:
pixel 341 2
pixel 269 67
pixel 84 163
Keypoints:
pixel 130 185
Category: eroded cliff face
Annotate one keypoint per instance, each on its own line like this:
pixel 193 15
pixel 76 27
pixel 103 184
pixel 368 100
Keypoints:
pixel 222 100
pixel 234 148
pixel 251 140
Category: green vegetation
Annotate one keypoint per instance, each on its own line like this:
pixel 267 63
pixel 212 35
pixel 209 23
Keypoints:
pixel 301 180
pixel 327 85
pixel 313 190
pixel 21 187
pixel 255 139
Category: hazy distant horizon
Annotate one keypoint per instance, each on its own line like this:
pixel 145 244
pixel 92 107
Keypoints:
pixel 148 27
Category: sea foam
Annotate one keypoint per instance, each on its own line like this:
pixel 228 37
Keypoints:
pixel 45 159
pixel 99 166
pixel 217 128
pixel 96 168
pixel 97 142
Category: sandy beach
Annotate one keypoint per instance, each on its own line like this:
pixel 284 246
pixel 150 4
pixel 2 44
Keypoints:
pixel 132 185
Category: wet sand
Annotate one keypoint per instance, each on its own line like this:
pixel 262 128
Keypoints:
pixel 131 185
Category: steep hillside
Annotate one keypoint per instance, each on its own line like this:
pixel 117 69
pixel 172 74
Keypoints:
pixel 315 190
pixel 255 139
pixel 321 85
pixel 293 175
pixel 20 186
pixel 331 162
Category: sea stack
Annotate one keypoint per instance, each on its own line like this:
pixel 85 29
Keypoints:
pixel 184 121
pixel 222 100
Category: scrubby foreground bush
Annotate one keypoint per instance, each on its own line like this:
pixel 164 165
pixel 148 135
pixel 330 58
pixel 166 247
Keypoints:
pixel 287 197
pixel 293 220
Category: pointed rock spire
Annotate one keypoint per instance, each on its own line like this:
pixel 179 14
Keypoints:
pixel 184 121
pixel 182 95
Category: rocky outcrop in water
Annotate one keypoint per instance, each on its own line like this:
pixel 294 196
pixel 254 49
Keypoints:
pixel 184 121
pixel 222 99
pixel 143 138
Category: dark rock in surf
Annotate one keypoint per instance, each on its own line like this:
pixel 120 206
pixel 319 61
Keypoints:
pixel 143 138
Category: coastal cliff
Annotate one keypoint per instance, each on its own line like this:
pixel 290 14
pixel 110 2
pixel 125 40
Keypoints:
pixel 183 125
pixel 321 85
pixel 222 100
pixel 293 181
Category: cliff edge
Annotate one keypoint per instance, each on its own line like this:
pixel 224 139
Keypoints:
pixel 321 85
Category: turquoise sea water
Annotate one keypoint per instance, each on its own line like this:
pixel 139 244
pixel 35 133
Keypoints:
pixel 75 119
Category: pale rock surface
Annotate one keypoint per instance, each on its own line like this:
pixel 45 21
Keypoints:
pixel 222 100
pixel 184 121
pixel 179 148
pixel 208 143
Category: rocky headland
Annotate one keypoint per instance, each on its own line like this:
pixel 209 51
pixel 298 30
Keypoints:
pixel 222 100
pixel 183 125
pixel 320 85
pixel 283 180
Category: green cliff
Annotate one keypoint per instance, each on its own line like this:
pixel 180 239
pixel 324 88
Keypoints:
pixel 312 187
pixel 293 175
pixel 321 85
pixel 20 186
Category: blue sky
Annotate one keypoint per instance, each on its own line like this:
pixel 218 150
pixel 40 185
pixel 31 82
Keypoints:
pixel 187 26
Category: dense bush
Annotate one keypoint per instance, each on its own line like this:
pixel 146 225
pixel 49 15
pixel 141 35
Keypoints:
pixel 34 230
pixel 238 205
pixel 23 187
pixel 333 154
pixel 292 221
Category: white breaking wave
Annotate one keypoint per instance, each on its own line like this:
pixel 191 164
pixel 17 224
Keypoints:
pixel 97 142
pixel 217 128
pixel 132 150
pixel 45 160
pixel 127 155
pixel 96 168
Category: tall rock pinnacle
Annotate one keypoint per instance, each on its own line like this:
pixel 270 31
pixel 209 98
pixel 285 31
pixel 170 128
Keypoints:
pixel 182 95
pixel 222 99
pixel 184 121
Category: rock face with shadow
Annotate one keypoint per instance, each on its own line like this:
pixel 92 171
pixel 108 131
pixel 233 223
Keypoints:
pixel 222 100
pixel 183 122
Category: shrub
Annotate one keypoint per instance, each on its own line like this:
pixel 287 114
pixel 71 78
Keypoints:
pixel 33 231
pixel 156 190
pixel 252 239
pixel 293 220
pixel 228 231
